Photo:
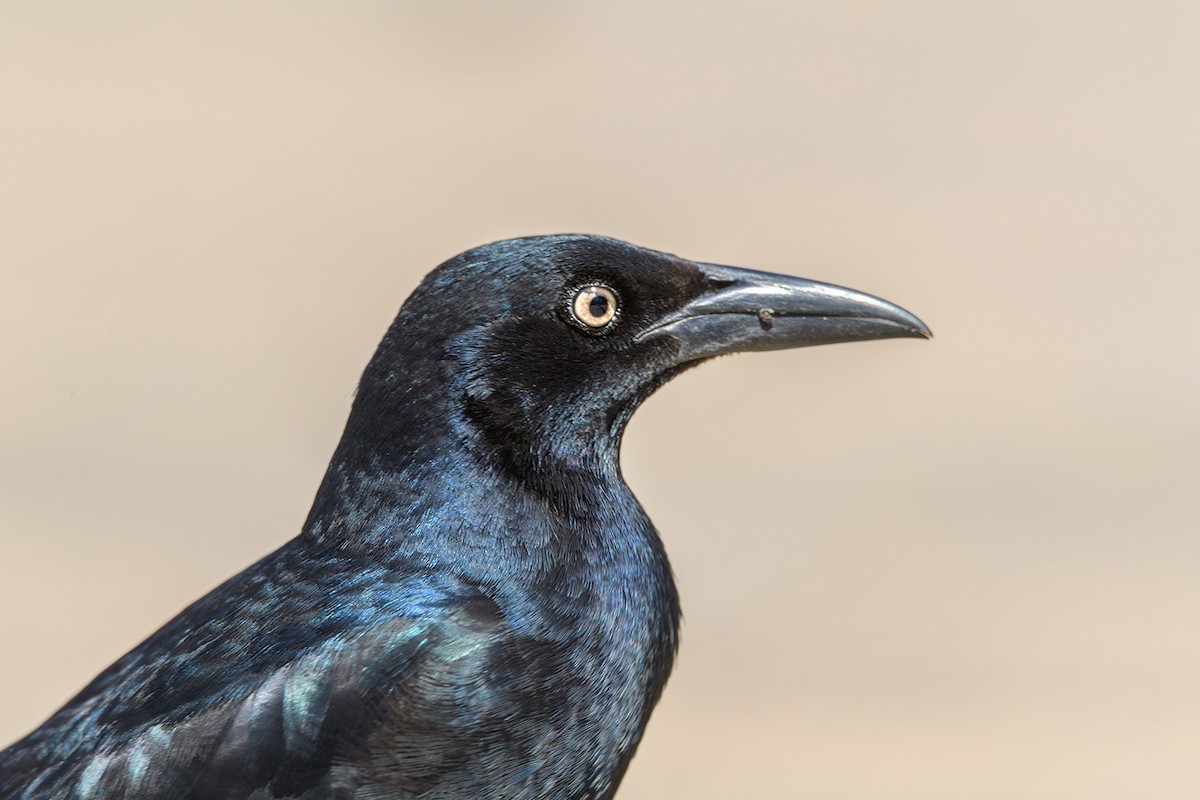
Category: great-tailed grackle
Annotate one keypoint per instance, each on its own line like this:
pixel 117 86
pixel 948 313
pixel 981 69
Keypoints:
pixel 477 606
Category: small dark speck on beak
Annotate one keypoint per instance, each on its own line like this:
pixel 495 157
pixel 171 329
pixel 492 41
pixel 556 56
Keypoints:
pixel 767 317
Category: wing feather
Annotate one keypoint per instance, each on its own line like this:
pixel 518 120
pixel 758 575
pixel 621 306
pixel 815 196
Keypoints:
pixel 294 729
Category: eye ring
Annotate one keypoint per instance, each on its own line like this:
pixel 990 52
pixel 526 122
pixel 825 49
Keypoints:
pixel 595 307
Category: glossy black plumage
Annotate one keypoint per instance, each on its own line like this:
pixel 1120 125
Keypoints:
pixel 477 606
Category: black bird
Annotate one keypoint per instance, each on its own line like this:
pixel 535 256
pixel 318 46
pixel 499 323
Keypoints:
pixel 477 606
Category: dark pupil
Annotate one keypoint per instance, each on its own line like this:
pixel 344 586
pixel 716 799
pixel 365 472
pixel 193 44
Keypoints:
pixel 598 306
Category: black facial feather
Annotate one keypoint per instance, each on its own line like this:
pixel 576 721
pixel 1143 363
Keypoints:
pixel 477 606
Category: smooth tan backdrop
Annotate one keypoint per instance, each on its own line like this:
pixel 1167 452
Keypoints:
pixel 949 570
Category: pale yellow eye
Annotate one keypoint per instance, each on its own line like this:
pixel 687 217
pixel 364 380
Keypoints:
pixel 594 306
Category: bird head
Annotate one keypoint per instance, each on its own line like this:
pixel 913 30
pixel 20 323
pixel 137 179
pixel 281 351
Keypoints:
pixel 541 348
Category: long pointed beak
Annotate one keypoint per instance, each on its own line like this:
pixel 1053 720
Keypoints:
pixel 751 310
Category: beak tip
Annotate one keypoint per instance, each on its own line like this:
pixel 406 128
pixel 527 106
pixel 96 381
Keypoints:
pixel 916 328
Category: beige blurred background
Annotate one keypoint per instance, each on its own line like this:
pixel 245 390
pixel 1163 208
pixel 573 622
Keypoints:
pixel 958 569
